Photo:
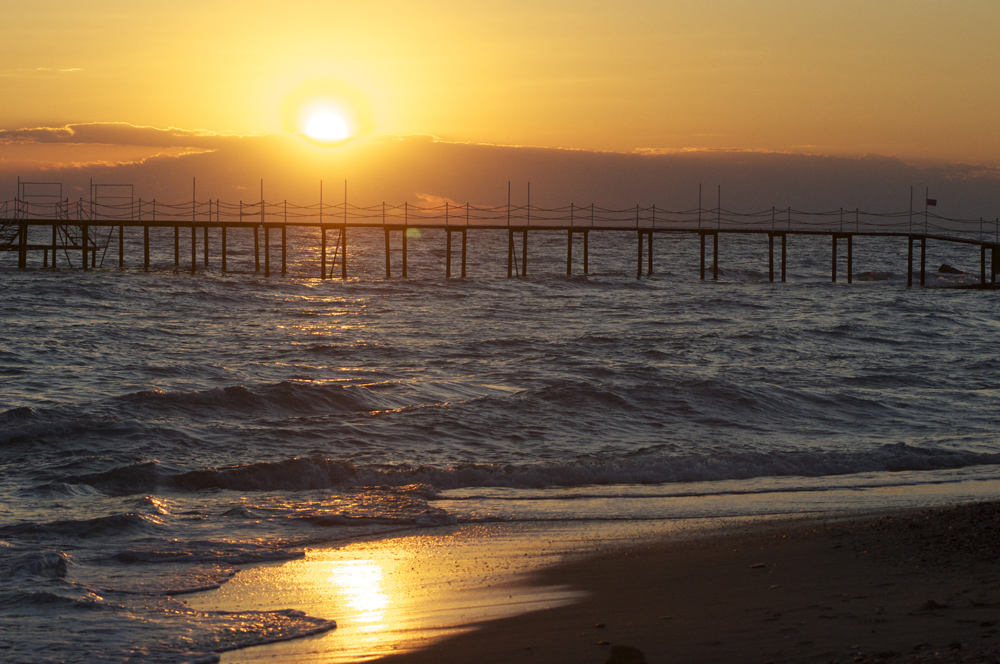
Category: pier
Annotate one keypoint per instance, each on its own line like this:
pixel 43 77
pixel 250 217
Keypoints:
pixel 44 229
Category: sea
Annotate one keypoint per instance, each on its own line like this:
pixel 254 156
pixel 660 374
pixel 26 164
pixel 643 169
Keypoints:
pixel 162 430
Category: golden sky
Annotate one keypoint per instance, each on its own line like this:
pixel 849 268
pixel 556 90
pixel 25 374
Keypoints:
pixel 913 79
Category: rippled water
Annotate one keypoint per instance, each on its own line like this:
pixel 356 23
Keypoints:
pixel 159 430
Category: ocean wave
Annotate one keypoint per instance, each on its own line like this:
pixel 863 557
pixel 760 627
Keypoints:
pixel 424 481
pixel 286 397
pixel 105 526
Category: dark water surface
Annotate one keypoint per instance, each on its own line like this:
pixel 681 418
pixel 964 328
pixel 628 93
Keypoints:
pixel 159 430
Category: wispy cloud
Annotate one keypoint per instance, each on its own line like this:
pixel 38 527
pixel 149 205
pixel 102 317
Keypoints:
pixel 119 133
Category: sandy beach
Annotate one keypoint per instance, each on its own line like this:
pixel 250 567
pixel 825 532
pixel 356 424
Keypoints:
pixel 911 586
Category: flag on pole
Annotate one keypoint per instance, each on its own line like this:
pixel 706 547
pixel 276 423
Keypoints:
pixel 931 202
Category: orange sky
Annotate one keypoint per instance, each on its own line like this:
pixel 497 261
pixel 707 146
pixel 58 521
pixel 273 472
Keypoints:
pixel 917 80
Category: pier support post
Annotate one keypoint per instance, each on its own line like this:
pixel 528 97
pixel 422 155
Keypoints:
pixel 322 250
pixel 833 276
pixel 177 247
pixel 343 253
pixel 649 251
pixel 267 251
pixel 22 248
pixel 510 253
pixel 284 268
pixel 206 245
pixel 145 248
pixel 121 247
pixel 194 248
pixel 715 256
pixel 54 243
pixel 783 237
pixel 638 267
pixel 463 253
pixel 223 248
pixel 447 254
pixel 850 259
pixel 586 253
pixel 702 236
pixel 909 261
pixel 569 253
pixel 83 241
pixel 388 261
pixel 256 249
pixel 770 257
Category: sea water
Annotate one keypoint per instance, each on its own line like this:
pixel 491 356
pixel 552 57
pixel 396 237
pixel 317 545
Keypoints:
pixel 160 430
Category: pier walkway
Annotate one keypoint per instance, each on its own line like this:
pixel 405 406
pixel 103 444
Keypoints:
pixel 80 232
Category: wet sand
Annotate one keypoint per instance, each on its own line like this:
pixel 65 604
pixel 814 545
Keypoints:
pixel 913 587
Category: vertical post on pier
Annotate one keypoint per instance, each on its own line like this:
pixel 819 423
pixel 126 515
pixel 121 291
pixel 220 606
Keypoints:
pixel 770 257
pixel 22 248
pixel 524 253
pixel 702 236
pixel 923 259
pixel 463 252
pixel 206 244
pixel 833 276
pixel 586 253
pixel 343 253
pixel 569 253
pixel 284 254
pixel 83 241
pixel 223 248
pixel 404 251
pixel 649 261
pixel 715 256
pixel 256 248
pixel 267 251
pixel 145 248
pixel 194 248
pixel 55 240
pixel 121 247
pixel 510 253
pixel 909 261
pixel 322 252
pixel 447 252
pixel 783 258
pixel 388 264
pixel 850 259
pixel 638 267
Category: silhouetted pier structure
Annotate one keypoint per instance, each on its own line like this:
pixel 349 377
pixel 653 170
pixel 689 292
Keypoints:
pixel 41 220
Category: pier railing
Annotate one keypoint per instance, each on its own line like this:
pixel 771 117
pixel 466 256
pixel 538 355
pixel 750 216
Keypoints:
pixel 468 215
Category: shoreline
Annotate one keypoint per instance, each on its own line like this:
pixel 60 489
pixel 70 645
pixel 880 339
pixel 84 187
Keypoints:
pixel 915 585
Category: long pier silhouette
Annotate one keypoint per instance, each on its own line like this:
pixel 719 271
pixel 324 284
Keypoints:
pixel 41 220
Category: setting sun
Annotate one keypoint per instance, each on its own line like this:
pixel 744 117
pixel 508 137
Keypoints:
pixel 327 127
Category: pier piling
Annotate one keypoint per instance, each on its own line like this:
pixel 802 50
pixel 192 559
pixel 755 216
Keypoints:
pixel 267 251
pixel 145 248
pixel 223 248
pixel 322 259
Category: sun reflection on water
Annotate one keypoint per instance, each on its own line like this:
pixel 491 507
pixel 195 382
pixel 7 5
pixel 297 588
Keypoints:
pixel 360 582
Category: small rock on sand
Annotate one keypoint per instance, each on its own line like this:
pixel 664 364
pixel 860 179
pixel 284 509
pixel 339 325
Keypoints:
pixel 626 655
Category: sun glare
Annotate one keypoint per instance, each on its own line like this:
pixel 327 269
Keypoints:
pixel 327 127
